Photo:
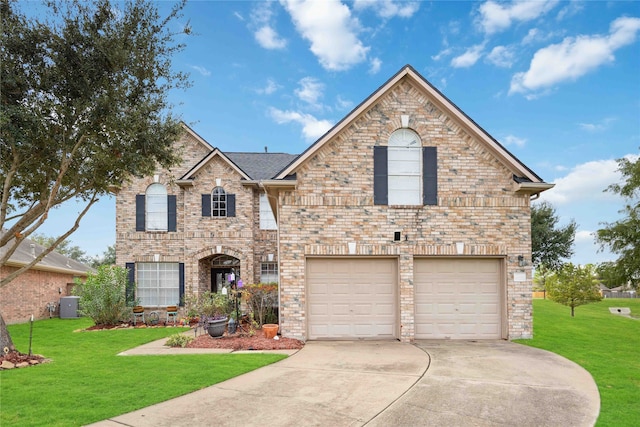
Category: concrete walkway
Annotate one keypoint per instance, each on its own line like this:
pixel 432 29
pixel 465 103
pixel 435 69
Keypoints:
pixel 382 383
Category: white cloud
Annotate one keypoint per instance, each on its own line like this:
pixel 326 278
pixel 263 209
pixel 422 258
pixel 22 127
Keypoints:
pixel 495 17
pixel 264 32
pixel 469 58
pixel 269 88
pixel 442 53
pixel 586 181
pixel 388 8
pixel 376 63
pixel 514 140
pixel 501 56
pixel 201 70
pixel 269 39
pixel 312 128
pixel 584 236
pixel 310 90
pixel 239 16
pixel 574 57
pixel 343 104
pixel 597 127
pixel 331 30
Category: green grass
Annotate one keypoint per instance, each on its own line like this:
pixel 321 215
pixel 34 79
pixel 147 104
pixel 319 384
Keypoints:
pixel 606 345
pixel 88 382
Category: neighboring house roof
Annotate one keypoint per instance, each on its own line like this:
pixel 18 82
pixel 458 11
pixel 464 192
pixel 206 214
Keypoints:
pixel 54 261
pixel 526 176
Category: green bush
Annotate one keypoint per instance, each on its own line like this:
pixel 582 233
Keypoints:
pixel 179 340
pixel 208 304
pixel 102 295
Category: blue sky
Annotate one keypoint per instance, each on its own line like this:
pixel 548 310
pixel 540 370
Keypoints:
pixel 557 83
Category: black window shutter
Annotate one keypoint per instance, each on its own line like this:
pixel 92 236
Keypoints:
pixel 130 290
pixel 231 205
pixel 181 284
pixel 430 175
pixel 171 211
pixel 380 179
pixel 140 212
pixel 206 205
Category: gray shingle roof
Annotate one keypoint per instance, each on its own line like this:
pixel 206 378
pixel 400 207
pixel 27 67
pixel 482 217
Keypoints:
pixel 261 165
pixel 28 250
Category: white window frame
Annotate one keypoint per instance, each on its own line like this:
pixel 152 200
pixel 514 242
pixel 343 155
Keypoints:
pixel 219 202
pixel 404 168
pixel 267 219
pixel 156 209
pixel 158 283
pixel 269 272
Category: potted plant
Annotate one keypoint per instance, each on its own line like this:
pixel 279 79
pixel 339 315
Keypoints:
pixel 214 310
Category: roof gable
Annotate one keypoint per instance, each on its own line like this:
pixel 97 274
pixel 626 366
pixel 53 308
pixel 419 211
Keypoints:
pixel 206 159
pixel 439 100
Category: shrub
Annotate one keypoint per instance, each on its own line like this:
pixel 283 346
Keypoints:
pixel 262 299
pixel 102 295
pixel 179 340
pixel 209 304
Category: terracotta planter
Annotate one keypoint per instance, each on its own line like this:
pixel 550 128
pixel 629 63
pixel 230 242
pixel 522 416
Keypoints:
pixel 270 330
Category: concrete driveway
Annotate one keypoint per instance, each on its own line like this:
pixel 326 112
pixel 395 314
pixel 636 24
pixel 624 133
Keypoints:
pixel 381 383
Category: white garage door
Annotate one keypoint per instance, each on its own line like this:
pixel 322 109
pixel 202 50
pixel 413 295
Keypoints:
pixel 457 298
pixel 351 298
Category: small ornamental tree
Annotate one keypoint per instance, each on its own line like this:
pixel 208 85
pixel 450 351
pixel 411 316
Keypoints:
pixel 573 285
pixel 102 295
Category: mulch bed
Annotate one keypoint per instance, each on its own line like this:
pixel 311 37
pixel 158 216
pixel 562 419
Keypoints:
pixel 246 341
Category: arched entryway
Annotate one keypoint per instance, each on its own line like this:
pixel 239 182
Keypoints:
pixel 225 270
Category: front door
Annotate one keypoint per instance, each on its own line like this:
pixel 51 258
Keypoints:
pixel 219 279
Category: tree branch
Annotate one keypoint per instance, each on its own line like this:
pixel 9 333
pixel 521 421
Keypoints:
pixel 47 251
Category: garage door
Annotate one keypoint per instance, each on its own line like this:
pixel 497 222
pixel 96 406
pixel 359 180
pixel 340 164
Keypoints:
pixel 457 298
pixel 351 298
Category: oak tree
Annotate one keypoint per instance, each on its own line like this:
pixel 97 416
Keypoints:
pixel 83 107
pixel 622 237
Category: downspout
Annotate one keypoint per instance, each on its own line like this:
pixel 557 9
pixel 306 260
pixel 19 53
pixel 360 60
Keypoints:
pixel 277 246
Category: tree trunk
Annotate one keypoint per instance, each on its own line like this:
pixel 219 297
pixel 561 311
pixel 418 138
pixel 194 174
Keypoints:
pixel 572 308
pixel 5 338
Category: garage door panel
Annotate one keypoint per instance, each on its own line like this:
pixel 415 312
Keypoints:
pixel 457 298
pixel 360 295
pixel 319 309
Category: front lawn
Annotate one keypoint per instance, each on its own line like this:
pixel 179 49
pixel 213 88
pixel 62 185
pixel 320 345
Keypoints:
pixel 87 382
pixel 606 345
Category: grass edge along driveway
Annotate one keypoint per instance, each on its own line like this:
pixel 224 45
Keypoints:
pixel 606 345
pixel 87 382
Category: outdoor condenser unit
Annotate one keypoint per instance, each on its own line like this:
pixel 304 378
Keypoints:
pixel 69 307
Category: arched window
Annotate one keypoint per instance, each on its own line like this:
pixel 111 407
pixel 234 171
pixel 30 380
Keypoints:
pixel 404 164
pixel 156 208
pixel 218 202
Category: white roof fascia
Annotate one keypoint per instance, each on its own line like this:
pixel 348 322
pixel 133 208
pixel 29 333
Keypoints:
pixel 208 157
pixel 442 102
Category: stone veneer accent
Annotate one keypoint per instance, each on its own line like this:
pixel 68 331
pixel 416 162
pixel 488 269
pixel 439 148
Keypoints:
pixel 333 205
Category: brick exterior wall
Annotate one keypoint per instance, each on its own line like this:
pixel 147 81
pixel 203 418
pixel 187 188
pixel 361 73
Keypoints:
pixel 333 205
pixel 30 292
pixel 197 238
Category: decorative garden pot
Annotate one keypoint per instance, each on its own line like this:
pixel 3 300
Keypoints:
pixel 232 326
pixel 216 327
pixel 270 330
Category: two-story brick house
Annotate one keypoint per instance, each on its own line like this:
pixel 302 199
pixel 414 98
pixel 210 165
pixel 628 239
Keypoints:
pixel 404 221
